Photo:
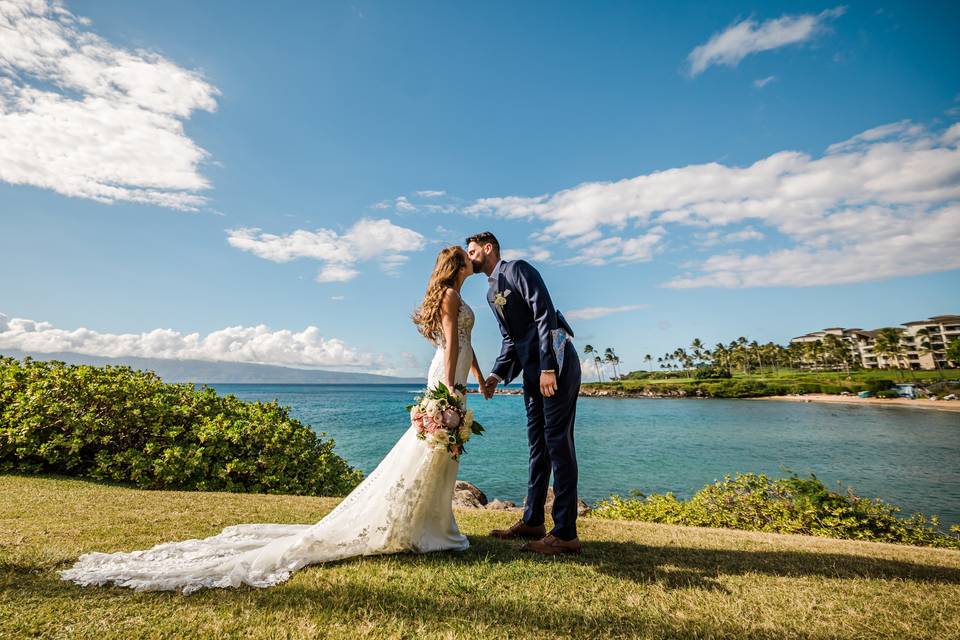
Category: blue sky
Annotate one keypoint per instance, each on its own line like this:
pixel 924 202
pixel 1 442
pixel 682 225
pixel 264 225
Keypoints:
pixel 176 177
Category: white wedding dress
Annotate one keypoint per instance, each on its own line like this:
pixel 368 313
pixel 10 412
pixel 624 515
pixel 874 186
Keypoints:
pixel 403 505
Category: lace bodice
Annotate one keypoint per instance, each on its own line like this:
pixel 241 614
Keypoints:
pixel 465 321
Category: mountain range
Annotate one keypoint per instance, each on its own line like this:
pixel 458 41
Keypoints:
pixel 202 371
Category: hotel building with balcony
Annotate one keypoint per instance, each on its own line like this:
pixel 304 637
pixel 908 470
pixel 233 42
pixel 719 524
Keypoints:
pixel 940 331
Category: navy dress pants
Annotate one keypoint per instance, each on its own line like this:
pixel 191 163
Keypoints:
pixel 550 436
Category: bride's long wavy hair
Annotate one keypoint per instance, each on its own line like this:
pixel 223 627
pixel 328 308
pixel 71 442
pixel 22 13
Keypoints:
pixel 427 316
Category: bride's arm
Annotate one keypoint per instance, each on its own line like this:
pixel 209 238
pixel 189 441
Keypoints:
pixel 449 316
pixel 477 373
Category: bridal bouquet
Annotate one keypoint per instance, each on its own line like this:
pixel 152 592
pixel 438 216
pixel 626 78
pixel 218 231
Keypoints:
pixel 442 420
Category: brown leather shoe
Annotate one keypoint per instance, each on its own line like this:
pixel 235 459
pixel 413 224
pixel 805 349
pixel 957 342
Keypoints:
pixel 520 530
pixel 551 545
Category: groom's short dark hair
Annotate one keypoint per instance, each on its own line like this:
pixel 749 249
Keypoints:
pixel 485 238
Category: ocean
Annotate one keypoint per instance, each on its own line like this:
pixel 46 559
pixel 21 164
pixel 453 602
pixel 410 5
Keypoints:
pixel 909 457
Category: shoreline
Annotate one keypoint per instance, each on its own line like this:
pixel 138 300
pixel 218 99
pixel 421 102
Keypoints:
pixel 920 403
pixel 950 406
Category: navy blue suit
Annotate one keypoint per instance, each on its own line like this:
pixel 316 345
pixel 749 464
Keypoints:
pixel 526 321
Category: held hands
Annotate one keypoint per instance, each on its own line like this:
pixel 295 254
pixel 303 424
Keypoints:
pixel 489 386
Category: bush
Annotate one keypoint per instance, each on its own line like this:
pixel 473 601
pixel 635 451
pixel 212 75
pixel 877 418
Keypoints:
pixel 704 373
pixel 888 393
pixel 879 384
pixel 117 424
pixel 790 505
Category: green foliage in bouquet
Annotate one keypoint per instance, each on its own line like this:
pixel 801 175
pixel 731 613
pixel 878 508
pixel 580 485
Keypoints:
pixel 788 505
pixel 117 424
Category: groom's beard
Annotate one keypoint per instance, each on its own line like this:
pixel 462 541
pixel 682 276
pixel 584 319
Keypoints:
pixel 477 266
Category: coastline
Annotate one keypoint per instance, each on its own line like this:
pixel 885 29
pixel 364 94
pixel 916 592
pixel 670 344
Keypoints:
pixel 951 406
pixel 920 403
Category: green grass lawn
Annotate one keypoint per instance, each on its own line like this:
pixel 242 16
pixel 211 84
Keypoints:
pixel 633 580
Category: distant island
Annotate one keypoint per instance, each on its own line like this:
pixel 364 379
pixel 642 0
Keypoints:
pixel 202 371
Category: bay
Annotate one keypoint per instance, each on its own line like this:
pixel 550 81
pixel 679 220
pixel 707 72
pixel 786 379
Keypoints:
pixel 906 456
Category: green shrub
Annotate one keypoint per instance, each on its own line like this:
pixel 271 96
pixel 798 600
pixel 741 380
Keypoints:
pixel 887 393
pixel 117 424
pixel 878 384
pixel 704 373
pixel 788 505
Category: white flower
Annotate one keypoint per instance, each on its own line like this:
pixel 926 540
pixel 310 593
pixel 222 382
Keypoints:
pixel 500 299
pixel 465 432
pixel 468 418
pixel 432 409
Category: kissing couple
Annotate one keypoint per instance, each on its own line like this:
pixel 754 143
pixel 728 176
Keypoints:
pixel 404 505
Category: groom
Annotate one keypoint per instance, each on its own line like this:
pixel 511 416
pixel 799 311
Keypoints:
pixel 536 341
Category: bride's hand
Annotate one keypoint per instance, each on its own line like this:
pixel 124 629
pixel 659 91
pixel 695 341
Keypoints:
pixel 482 387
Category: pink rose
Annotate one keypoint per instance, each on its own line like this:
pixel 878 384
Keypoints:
pixel 415 414
pixel 450 418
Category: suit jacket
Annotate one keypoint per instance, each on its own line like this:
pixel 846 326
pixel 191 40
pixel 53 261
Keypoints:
pixel 525 321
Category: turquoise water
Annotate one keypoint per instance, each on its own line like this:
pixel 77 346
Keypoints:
pixel 906 456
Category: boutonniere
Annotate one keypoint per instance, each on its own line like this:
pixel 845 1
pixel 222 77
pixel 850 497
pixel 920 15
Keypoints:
pixel 500 299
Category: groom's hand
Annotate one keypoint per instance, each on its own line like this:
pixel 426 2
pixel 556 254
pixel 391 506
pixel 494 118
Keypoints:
pixel 491 387
pixel 548 383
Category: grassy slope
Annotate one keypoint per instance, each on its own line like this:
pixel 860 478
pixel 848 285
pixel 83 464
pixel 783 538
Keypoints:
pixel 634 579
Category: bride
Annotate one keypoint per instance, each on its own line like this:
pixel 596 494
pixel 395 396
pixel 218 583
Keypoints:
pixel 403 505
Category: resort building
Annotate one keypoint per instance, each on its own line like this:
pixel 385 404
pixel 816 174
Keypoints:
pixel 937 332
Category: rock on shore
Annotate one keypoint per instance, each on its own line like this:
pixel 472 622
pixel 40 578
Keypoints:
pixel 468 496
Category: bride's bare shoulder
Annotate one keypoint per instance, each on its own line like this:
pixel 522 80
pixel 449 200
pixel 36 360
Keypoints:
pixel 450 304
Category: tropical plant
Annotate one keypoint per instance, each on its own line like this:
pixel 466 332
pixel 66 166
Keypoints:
pixel 117 424
pixel 787 505
pixel 889 344
pixel 953 352
pixel 925 347
pixel 587 350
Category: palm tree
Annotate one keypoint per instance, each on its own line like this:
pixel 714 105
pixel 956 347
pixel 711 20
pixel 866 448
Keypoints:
pixel 609 357
pixel 953 352
pixel 587 350
pixel 889 344
pixel 649 360
pixel 721 357
pixel 696 348
pixel 924 347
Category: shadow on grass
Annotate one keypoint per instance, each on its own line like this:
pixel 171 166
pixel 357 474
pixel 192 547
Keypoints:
pixel 446 590
pixel 428 608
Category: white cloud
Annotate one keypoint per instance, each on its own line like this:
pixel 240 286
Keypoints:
pixel 537 254
pixel 428 193
pixel 366 240
pixel 403 204
pixel 87 119
pixel 743 38
pixel 715 237
pixel 863 210
pixel 591 313
pixel 760 83
pixel 852 247
pixel 259 344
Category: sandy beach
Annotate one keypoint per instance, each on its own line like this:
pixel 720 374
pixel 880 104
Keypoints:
pixel 938 405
